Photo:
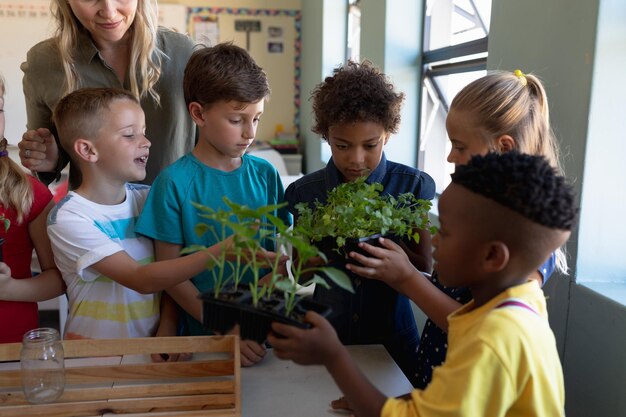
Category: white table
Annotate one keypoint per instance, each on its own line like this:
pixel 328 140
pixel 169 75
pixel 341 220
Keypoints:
pixel 282 388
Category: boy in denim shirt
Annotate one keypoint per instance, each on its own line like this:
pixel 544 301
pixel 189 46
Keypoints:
pixel 356 111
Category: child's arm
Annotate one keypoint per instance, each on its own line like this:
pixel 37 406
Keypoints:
pixel 51 283
pixel 156 276
pixel 186 295
pixel 320 345
pixel 420 254
pixel 48 284
pixel 391 265
pixel 34 289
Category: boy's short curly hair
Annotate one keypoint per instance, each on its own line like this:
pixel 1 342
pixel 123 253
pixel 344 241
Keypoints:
pixel 526 184
pixel 356 92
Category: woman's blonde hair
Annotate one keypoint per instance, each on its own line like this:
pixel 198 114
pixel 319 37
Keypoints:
pixel 514 104
pixel 145 58
pixel 15 189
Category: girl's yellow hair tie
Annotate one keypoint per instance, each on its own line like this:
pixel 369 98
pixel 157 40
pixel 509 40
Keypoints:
pixel 522 77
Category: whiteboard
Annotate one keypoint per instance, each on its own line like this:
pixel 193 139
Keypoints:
pixel 22 25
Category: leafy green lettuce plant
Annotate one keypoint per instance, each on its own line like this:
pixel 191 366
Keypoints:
pixel 357 209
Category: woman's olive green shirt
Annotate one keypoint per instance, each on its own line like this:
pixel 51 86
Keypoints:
pixel 168 125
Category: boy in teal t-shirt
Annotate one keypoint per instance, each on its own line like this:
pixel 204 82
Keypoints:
pixel 225 92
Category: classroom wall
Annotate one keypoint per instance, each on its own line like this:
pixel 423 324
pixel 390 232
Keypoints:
pixel 280 22
pixel 391 39
pixel 323 48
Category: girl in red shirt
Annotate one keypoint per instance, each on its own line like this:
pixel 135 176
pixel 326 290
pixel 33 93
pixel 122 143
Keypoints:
pixel 24 207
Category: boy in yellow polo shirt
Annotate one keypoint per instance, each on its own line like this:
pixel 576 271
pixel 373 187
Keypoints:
pixel 501 217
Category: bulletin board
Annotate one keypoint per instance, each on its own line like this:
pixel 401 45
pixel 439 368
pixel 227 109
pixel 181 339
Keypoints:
pixel 273 38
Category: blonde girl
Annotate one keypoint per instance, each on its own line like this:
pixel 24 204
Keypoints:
pixel 500 112
pixel 24 206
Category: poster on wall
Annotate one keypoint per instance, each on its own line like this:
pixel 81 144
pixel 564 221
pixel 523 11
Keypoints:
pixel 275 47
pixel 275 32
pixel 205 29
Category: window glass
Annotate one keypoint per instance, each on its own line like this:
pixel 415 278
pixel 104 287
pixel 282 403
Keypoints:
pixel 452 22
pixel 354 31
pixel 455 54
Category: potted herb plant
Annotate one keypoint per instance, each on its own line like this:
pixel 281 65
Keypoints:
pixel 356 212
pixel 270 296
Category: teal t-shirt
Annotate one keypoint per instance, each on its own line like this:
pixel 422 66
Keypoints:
pixel 168 215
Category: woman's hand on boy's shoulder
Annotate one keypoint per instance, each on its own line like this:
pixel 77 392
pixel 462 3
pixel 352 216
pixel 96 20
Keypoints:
pixel 388 263
pixel 38 150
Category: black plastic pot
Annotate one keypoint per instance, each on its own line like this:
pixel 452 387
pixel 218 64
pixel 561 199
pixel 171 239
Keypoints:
pixel 256 322
pixel 220 315
pixel 328 245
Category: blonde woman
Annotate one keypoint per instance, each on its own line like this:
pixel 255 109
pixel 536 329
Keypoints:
pixel 24 206
pixel 107 44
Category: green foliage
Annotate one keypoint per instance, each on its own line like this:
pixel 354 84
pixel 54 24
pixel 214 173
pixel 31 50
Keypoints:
pixel 357 209
pixel 6 223
pixel 246 253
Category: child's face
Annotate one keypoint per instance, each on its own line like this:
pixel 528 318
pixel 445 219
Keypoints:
pixel 357 147
pixel 456 244
pixel 122 146
pixel 227 129
pixel 467 140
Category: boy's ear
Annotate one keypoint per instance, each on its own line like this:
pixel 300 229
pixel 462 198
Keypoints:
pixel 196 111
pixel 85 150
pixel 387 136
pixel 506 143
pixel 496 257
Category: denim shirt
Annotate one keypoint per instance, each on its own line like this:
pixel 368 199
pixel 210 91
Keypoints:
pixel 375 313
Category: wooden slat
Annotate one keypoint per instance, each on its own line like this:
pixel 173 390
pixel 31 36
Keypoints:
pixel 140 345
pixel 237 376
pixel 132 405
pixel 146 372
pixel 133 372
pixel 129 391
pixel 186 413
pixel 137 389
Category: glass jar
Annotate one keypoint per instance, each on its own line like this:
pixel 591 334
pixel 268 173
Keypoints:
pixel 42 365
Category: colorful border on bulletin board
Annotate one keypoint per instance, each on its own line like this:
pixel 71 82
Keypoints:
pixel 21 10
pixel 296 14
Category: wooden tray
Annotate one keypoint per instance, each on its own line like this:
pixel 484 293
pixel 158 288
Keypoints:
pixel 117 376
